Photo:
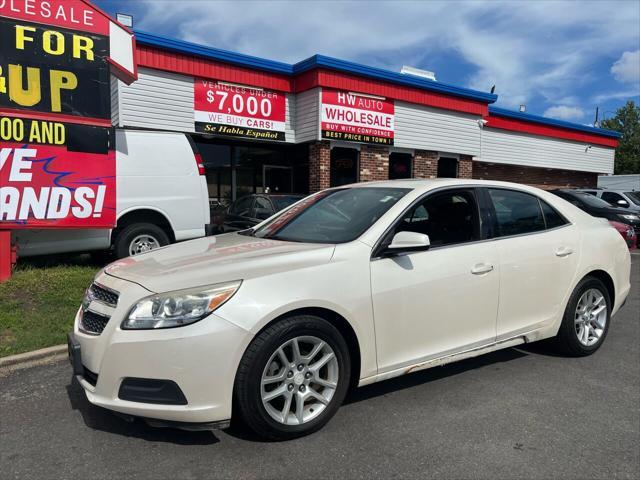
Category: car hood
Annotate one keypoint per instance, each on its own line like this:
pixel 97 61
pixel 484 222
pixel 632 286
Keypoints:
pixel 211 260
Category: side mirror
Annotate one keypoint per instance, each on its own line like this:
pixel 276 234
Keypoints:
pixel 623 203
pixel 408 242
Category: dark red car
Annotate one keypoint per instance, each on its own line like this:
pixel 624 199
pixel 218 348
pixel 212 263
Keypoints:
pixel 627 233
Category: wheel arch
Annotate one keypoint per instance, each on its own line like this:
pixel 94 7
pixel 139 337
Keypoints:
pixel 605 278
pixel 340 323
pixel 144 215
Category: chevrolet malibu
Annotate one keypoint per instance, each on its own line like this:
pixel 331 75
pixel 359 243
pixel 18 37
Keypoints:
pixel 349 286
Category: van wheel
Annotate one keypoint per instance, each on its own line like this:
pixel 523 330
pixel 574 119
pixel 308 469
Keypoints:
pixel 292 378
pixel 139 238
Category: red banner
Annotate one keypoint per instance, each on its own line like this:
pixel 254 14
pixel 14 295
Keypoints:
pixel 357 118
pixel 71 14
pixel 238 111
pixel 58 184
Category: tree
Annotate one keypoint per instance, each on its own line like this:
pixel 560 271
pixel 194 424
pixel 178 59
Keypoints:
pixel 627 122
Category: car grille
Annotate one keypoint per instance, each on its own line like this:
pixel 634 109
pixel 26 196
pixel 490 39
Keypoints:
pixel 104 295
pixel 93 322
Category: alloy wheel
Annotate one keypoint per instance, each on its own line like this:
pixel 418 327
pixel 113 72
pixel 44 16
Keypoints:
pixel 299 380
pixel 590 317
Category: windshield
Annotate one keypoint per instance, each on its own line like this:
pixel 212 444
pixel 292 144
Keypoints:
pixel 332 216
pixel 284 201
pixel 589 200
pixel 634 196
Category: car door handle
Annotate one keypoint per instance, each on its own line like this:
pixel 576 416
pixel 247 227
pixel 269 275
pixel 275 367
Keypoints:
pixel 481 268
pixel 564 252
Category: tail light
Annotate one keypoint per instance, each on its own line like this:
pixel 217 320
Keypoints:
pixel 199 163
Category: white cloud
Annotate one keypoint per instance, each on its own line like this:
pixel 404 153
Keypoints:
pixel 524 48
pixel 621 95
pixel 627 68
pixel 564 112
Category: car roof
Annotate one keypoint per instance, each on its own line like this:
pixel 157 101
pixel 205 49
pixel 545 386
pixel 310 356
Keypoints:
pixel 425 184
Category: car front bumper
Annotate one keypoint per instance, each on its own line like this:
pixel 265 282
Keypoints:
pixel 201 359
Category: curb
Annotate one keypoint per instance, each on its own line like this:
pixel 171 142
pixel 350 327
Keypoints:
pixel 36 357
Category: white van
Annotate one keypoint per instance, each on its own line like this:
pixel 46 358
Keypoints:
pixel 161 198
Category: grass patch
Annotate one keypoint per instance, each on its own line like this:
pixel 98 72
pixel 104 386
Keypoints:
pixel 39 302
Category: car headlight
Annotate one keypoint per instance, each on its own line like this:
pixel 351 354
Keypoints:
pixel 629 217
pixel 178 308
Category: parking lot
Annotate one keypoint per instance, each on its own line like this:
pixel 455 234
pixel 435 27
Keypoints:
pixel 516 413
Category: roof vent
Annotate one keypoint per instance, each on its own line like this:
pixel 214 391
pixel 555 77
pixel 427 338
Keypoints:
pixel 417 72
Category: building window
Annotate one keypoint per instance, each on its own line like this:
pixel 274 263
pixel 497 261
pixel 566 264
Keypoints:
pixel 234 169
pixel 344 166
pixel 447 167
pixel 400 165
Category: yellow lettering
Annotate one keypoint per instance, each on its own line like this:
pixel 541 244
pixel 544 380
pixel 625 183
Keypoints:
pixel 59 133
pixel 21 36
pixel 30 96
pixel 11 130
pixel 46 42
pixel 3 82
pixel 34 132
pixel 52 133
pixel 61 80
pixel 82 44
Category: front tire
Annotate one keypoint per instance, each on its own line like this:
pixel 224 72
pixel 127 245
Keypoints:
pixel 293 378
pixel 586 319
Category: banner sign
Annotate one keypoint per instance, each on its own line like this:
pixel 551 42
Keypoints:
pixel 72 14
pixel 53 70
pixel 356 118
pixel 55 175
pixel 238 111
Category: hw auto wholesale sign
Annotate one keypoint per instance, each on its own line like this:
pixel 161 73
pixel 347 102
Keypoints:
pixel 356 118
pixel 239 111
pixel 56 166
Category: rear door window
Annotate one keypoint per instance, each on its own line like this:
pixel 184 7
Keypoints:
pixel 516 213
pixel 551 216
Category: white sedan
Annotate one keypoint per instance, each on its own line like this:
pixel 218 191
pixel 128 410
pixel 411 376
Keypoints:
pixel 349 286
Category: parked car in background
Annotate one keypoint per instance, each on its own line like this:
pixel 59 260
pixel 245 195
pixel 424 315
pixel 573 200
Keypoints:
pixel 248 211
pixel 599 208
pixel 618 198
pixel 354 285
pixel 627 233
pixel 161 198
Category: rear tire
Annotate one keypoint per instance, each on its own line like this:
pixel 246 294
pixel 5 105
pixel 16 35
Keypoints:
pixel 320 390
pixel 139 238
pixel 586 319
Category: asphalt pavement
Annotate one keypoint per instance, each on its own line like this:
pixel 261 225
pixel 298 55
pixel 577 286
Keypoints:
pixel 517 413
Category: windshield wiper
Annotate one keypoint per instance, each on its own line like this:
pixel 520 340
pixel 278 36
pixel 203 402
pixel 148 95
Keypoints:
pixel 250 232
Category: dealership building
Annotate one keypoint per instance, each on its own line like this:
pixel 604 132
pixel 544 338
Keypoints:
pixel 261 124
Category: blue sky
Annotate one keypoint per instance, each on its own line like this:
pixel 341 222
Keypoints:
pixel 561 59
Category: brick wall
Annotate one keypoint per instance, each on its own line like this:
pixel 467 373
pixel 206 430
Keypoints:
pixel 374 163
pixel 545 178
pixel 425 164
pixel 465 167
pixel 319 164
